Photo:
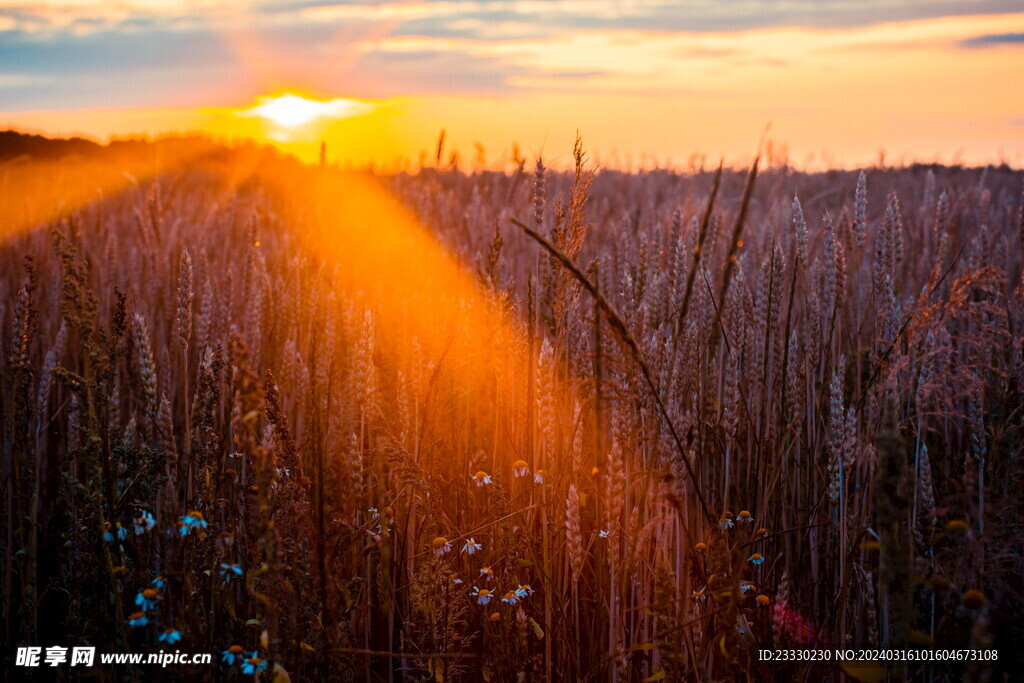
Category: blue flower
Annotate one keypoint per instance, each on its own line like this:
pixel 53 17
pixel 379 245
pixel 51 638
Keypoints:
pixel 471 546
pixel 146 599
pixel 159 582
pixel 254 664
pixel 193 520
pixel 604 533
pixel 233 653
pixel 524 590
pixel 170 636
pixel 483 595
pixel 144 522
pixel 756 558
pixel 114 531
pixel 138 620
pixel 229 571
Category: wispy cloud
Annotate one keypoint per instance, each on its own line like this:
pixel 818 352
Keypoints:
pixel 89 53
pixel 992 39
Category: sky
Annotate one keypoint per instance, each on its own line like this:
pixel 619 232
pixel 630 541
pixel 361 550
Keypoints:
pixel 644 82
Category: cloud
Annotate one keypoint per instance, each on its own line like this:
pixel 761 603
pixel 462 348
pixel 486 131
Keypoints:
pixel 89 53
pixel 993 39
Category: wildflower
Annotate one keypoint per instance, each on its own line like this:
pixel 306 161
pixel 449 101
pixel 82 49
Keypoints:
pixel 510 598
pixel 441 545
pixel 137 619
pixel 159 582
pixel 973 599
pixel 110 532
pixel 520 468
pixel 482 478
pixel 229 571
pixel 283 472
pixel 193 520
pixel 744 516
pixel 701 547
pixel 538 477
pixel 762 532
pixel 604 533
pixel 483 595
pixel 746 586
pixel 254 665
pixel 146 599
pixel 373 513
pixel 144 522
pixel 457 582
pixel 487 573
pixel 763 599
pixel 726 522
pixel 524 590
pixel 756 558
pixel 170 636
pixel 699 594
pixel 231 654
pixel 956 526
pixel 495 616
pixel 471 546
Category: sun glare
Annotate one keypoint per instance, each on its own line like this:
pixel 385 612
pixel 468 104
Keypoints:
pixel 292 111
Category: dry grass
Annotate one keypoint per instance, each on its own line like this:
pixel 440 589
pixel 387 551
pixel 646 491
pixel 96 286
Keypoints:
pixel 810 438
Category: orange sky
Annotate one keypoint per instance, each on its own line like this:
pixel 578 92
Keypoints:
pixel 938 88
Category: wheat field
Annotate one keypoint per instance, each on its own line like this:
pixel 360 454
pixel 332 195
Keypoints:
pixel 533 425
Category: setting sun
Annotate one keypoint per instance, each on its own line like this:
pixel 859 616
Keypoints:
pixel 292 111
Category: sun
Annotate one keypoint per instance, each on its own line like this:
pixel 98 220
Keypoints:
pixel 294 111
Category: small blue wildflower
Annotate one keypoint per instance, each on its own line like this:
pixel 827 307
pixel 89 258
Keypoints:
pixel 254 665
pixel 144 522
pixel 193 520
pixel 138 620
pixel 170 636
pixel 229 571
pixel 232 654
pixel 482 595
pixel 145 601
